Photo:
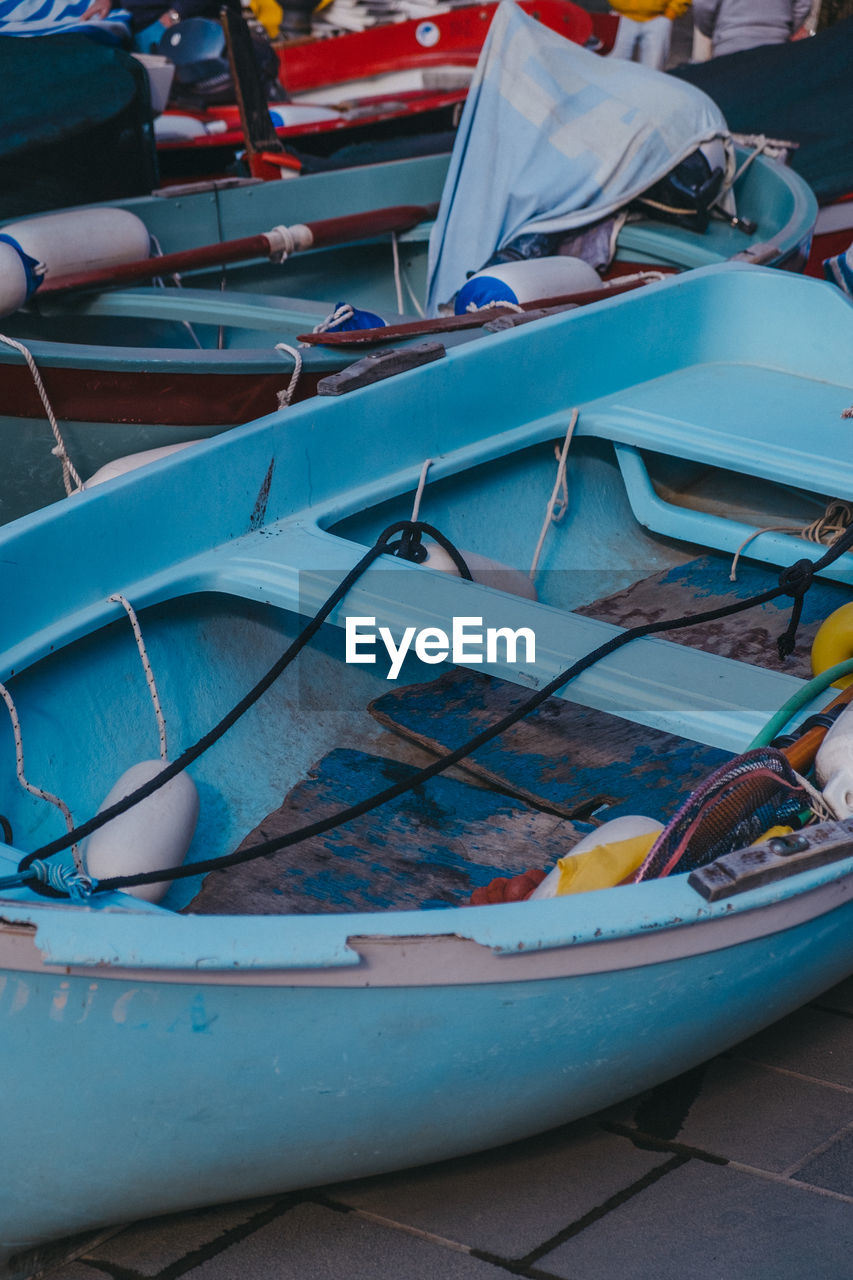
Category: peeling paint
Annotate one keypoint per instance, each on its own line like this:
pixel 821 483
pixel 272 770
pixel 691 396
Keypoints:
pixel 260 509
pixel 59 1001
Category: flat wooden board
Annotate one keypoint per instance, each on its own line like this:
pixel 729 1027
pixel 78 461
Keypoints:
pixel 429 848
pixel 574 759
pixel 571 759
pixel 705 584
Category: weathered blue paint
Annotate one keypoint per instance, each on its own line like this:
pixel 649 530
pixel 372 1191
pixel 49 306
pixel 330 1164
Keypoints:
pixel 631 769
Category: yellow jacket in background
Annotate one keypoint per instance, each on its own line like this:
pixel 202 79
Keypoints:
pixel 269 14
pixel 643 10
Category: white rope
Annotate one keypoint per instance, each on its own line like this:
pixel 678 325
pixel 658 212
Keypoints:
pixel 825 530
pixel 340 314
pixel 282 243
pixel 416 506
pixel 773 148
pixel 761 145
pixel 413 296
pixel 649 276
pixel 665 208
pixel 821 808
pixel 69 472
pixel 401 278
pixel 29 786
pixel 490 306
pixel 398 283
pixel 560 493
pixel 829 527
pixel 285 397
pixel 179 284
pixel 146 667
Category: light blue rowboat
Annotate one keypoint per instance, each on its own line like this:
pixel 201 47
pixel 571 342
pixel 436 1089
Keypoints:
pixel 139 368
pixel 156 1059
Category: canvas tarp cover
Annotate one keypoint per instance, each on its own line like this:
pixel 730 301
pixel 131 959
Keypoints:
pixel 554 137
pixel 77 124
pixel 802 92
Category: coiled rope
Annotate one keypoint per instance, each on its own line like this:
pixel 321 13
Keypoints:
pixel 823 531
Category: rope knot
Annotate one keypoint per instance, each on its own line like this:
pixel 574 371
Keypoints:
pixel 342 312
pixel 795 581
pixel 63 879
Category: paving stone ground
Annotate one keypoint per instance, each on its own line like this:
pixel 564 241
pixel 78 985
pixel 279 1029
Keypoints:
pixel 741 1169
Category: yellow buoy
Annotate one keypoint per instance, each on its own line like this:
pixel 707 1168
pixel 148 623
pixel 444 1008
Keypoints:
pixel 834 643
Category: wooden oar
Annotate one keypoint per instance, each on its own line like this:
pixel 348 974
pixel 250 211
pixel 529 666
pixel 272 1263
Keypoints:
pixel 801 754
pixel 474 320
pixel 282 241
pixel 265 154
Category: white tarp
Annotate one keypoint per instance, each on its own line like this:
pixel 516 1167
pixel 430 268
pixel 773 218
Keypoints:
pixel 552 138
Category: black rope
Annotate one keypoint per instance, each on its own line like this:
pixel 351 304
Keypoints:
pixel 192 753
pixel 795 581
pixel 411 548
pixel 794 585
pixel 438 766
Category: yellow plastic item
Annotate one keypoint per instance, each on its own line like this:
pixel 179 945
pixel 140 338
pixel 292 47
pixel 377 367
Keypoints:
pixel 772 832
pixel 268 14
pixel 604 865
pixel 834 643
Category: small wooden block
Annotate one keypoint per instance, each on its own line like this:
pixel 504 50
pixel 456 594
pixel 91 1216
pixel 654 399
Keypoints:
pixel 777 859
pixel 379 365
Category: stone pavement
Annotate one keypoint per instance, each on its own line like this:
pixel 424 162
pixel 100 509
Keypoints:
pixel 741 1168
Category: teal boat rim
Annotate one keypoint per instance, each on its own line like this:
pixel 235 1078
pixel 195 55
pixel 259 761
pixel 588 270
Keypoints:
pixel 628 926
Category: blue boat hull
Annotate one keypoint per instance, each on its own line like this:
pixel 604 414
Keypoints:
pixel 222 1090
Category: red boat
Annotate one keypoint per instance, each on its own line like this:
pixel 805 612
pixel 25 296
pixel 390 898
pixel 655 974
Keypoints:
pixel 416 46
pixel 391 81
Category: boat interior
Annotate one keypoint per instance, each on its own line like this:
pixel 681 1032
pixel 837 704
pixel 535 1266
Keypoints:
pixel 386 275
pixel 271 528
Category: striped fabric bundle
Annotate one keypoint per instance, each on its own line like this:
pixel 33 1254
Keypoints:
pixel 839 270
pixel 52 17
pixel 729 810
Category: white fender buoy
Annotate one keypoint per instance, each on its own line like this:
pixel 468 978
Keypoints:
pixel 174 127
pixel 622 831
pixel 82 239
pixel 834 764
pixel 526 281
pixel 490 573
pixel 286 115
pixel 14 284
pixel 178 128
pixel 130 461
pixel 154 834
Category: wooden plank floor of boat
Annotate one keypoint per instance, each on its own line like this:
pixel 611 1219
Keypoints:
pixel 534 788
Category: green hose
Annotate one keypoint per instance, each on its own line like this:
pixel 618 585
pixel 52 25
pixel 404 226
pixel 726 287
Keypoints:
pixel 810 690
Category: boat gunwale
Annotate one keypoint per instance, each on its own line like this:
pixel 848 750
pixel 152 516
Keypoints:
pixel 603 931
